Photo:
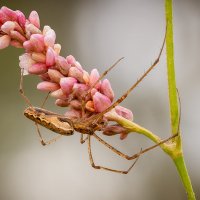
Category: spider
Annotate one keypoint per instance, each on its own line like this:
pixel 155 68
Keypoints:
pixel 85 126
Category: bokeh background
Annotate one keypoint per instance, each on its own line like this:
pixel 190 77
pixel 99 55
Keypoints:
pixel 98 33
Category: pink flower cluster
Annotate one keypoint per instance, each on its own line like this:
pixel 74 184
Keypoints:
pixel 65 78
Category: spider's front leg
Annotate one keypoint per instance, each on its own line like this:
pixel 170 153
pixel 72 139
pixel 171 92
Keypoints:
pixel 22 93
pixel 21 90
pixel 102 167
pixel 42 141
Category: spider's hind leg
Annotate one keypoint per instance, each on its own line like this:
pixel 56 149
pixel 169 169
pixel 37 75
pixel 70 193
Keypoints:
pixel 106 168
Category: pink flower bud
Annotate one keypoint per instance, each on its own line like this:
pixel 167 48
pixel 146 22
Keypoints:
pixel 62 65
pixel 93 91
pixel 77 64
pixel 123 135
pixel 45 29
pixel 3 17
pixel 21 18
pixel 19 29
pixel 55 75
pixel 47 86
pixel 73 114
pixel 34 19
pixel 106 89
pixel 67 84
pixel 16 44
pixel 57 48
pixel 90 106
pixel 38 68
pixel 50 38
pixel 4 41
pixel 94 76
pixel 28 46
pixel 37 41
pixel 86 77
pixel 113 130
pixel 8 26
pixel 12 15
pixel 45 77
pixel 62 103
pixel 124 112
pixel 17 36
pixel 31 29
pixel 58 94
pixel 76 104
pixel 25 61
pixel 101 102
pixel 50 57
pixel 79 90
pixel 70 60
pixel 76 73
pixel 39 57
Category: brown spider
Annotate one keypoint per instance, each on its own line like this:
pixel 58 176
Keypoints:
pixel 66 126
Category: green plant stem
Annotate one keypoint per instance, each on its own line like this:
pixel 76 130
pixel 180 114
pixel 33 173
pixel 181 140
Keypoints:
pixel 181 167
pixel 170 68
pixel 176 154
pixel 173 147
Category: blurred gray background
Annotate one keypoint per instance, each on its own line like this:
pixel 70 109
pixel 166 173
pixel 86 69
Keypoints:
pixel 98 33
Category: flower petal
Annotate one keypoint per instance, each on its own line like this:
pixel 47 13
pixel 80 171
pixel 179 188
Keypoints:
pixel 11 14
pixel 34 19
pixel 113 130
pixel 50 38
pixel 55 75
pixel 124 112
pixel 76 114
pixel 76 73
pixel 67 84
pixel 21 18
pixel 47 86
pixel 71 60
pixel 94 76
pixel 101 102
pixel 37 40
pixel 8 26
pixel 37 68
pixel 4 41
pixel 50 57
pixel 62 103
pixel 25 61
pixel 106 89
pixel 58 94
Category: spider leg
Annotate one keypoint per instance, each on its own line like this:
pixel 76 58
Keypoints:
pixel 43 142
pixel 83 140
pixel 119 100
pixel 21 90
pixel 135 155
pixel 106 168
pixel 104 74
pixel 101 77
pixel 45 100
